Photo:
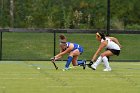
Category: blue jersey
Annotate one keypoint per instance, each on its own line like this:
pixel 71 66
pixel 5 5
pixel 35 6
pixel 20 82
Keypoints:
pixel 76 46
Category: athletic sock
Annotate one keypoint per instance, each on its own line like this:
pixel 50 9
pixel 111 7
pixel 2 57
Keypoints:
pixel 106 63
pixel 80 62
pixel 68 61
pixel 98 61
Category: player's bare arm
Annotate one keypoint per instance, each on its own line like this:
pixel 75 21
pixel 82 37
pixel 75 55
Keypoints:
pixel 102 45
pixel 116 41
pixel 63 53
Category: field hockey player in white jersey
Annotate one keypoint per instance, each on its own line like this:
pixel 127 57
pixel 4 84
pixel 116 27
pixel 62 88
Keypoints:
pixel 112 46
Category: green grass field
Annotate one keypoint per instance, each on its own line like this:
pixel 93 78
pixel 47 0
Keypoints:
pixel 24 77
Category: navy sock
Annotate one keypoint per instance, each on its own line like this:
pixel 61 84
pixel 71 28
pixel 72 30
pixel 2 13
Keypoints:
pixel 68 61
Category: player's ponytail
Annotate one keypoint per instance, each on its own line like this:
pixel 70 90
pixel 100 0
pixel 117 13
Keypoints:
pixel 62 38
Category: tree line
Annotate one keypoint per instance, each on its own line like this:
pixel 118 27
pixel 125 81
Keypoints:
pixel 73 14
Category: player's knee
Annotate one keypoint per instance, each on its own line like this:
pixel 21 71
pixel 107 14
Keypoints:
pixel 74 63
pixel 102 55
pixel 71 54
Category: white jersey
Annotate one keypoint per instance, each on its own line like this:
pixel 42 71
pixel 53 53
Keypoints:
pixel 111 44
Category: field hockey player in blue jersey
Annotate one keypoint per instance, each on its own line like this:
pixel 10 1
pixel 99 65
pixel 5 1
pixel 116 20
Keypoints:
pixel 73 50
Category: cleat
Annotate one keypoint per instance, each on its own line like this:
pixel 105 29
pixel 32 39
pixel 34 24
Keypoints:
pixel 83 63
pixel 107 69
pixel 93 67
pixel 65 69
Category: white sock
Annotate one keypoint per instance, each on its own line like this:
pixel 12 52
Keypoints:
pixel 106 63
pixel 98 61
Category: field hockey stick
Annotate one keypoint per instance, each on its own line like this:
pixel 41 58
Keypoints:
pixel 89 64
pixel 53 61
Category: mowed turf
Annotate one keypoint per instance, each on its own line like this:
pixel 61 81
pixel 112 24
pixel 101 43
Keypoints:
pixel 24 77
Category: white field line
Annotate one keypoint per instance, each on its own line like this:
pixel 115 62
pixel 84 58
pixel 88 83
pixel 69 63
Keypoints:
pixel 63 75
pixel 3 74
pixel 64 78
pixel 74 73
pixel 2 87
pixel 135 64
pixel 70 86
pixel 23 79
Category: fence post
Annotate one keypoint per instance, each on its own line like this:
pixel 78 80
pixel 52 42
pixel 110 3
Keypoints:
pixel 0 45
pixel 54 32
pixel 108 18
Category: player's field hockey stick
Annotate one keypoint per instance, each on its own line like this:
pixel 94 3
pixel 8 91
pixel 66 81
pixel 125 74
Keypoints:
pixel 54 64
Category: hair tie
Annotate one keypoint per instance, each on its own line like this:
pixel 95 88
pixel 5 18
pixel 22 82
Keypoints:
pixel 98 34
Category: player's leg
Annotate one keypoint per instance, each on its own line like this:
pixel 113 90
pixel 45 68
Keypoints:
pixel 105 59
pixel 75 61
pixel 70 58
pixel 82 62
pixel 68 62
pixel 98 61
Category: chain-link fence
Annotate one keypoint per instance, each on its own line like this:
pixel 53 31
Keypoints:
pixel 42 44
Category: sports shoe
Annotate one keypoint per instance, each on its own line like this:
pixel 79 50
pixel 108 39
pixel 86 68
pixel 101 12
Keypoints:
pixel 65 69
pixel 107 69
pixel 93 67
